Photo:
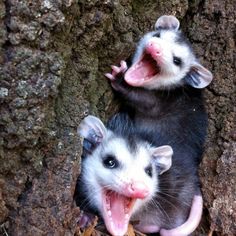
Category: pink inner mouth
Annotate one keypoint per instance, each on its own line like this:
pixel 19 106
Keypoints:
pixel 116 212
pixel 142 71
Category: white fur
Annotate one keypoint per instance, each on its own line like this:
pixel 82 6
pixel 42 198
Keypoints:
pixel 132 168
pixel 140 48
pixel 171 74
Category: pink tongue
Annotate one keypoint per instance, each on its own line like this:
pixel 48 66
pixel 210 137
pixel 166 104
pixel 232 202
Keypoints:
pixel 143 70
pixel 118 209
pixel 117 224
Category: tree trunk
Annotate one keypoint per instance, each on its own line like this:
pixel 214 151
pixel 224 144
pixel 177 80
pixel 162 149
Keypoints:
pixel 53 57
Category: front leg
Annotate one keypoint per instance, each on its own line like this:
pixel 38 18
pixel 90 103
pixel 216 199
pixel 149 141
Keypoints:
pixel 138 98
pixel 117 78
pixel 117 71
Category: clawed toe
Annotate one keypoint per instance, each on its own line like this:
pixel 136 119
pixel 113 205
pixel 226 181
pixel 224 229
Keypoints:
pixel 109 76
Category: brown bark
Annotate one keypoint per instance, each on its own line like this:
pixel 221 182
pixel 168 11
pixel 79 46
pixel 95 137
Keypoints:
pixel 53 56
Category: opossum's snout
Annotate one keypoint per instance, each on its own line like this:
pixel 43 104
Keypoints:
pixel 136 190
pixel 154 49
pixel 144 70
pixel 117 206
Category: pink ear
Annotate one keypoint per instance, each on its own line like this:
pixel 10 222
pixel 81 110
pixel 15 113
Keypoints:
pixel 92 128
pixel 163 157
pixel 199 76
pixel 167 22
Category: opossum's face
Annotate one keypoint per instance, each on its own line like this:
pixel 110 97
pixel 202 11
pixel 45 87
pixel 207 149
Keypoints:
pixel 120 181
pixel 120 178
pixel 164 59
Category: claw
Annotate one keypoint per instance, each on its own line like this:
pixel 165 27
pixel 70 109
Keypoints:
pixel 116 69
pixel 109 76
pixel 123 65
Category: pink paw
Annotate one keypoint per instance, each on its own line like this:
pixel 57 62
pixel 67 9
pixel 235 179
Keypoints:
pixel 117 70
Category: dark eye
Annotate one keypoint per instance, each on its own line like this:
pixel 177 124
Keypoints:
pixel 110 162
pixel 177 61
pixel 157 34
pixel 148 170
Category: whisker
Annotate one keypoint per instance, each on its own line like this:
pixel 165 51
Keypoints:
pixel 166 200
pixel 169 195
pixel 173 190
pixel 88 199
pixel 157 204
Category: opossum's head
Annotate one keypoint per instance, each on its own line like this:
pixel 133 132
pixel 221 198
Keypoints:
pixel 120 175
pixel 164 59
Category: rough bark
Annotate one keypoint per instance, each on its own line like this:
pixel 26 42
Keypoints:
pixel 53 56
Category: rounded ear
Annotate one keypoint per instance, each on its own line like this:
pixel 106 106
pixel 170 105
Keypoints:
pixel 198 76
pixel 167 22
pixel 92 129
pixel 163 157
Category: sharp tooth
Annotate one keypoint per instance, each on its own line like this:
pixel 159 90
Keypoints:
pixel 109 213
pixel 126 216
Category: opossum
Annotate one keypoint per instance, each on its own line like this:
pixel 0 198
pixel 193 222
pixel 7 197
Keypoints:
pixel 120 178
pixel 164 60
pixel 161 93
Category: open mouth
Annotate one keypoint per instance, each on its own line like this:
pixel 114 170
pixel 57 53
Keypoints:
pixel 116 212
pixel 142 71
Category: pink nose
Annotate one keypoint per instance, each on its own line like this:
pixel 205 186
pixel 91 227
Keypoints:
pixel 153 48
pixel 137 190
